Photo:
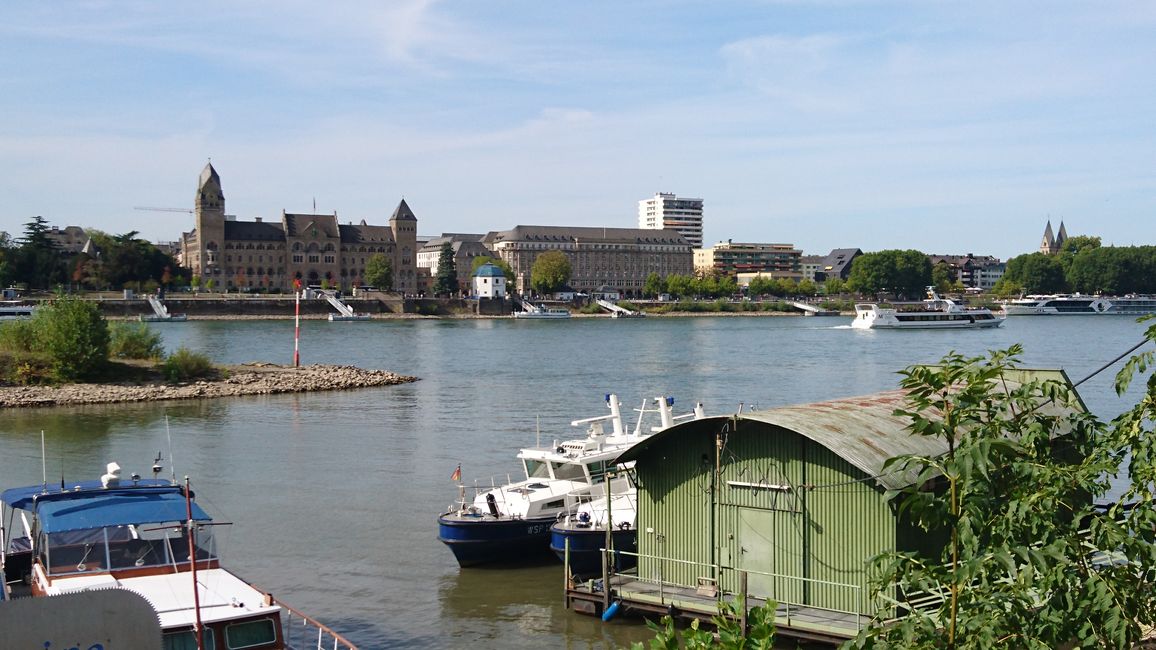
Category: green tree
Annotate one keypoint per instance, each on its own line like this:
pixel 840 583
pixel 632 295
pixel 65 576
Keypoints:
pixel 37 262
pixel 496 261
pixel 653 285
pixel 1029 562
pixel 447 276
pixel 75 336
pixel 942 277
pixel 550 272
pixel 680 286
pixel 379 272
pixel 834 286
pixel 1036 273
pixel 7 272
pixel 906 273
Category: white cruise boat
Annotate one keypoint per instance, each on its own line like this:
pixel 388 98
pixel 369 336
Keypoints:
pixel 512 522
pixel 16 310
pixel 532 311
pixel 1075 305
pixel 936 312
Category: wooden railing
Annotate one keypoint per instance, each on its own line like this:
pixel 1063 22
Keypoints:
pixel 304 633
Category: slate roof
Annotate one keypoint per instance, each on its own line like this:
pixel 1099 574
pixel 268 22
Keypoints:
pixel 296 225
pixel 403 213
pixel 579 234
pixel 365 234
pixel 254 231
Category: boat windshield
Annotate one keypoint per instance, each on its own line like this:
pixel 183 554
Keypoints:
pixel 569 472
pixel 123 547
pixel 536 469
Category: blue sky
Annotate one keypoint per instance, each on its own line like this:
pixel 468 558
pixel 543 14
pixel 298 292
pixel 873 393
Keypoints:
pixel 944 127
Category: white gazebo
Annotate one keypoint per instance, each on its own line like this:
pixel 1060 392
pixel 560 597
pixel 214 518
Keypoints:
pixel 489 282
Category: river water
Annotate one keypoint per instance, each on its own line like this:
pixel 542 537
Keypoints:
pixel 334 496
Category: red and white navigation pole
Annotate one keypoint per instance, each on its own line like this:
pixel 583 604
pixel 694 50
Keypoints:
pixel 297 323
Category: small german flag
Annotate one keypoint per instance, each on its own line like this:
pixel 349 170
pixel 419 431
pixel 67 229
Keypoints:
pixel 457 475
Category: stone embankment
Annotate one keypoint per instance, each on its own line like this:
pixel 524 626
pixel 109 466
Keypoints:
pixel 247 379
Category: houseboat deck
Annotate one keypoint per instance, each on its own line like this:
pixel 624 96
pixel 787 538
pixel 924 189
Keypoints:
pixel 792 621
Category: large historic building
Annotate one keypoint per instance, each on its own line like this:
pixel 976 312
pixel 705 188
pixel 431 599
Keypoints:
pixel 600 258
pixel 313 248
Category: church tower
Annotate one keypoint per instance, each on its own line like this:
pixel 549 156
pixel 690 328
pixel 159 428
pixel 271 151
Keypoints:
pixel 210 223
pixel 403 223
pixel 1048 245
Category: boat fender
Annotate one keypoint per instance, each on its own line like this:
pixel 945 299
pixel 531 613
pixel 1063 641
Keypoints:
pixel 611 611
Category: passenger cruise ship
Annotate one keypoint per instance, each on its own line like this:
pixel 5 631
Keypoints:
pixel 1052 305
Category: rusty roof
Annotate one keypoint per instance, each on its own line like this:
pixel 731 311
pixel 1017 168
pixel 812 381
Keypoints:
pixel 864 430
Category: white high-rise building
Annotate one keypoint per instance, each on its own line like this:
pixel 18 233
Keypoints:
pixel 669 212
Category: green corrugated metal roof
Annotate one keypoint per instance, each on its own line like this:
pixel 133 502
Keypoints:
pixel 861 430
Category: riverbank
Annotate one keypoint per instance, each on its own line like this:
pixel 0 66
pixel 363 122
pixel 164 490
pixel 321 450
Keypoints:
pixel 245 379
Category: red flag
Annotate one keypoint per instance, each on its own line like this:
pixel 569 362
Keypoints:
pixel 457 475
pixel 296 283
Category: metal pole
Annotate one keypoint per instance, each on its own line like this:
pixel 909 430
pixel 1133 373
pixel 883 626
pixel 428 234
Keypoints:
pixel 193 565
pixel 297 326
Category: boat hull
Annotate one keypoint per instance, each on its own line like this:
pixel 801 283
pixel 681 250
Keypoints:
pixel 585 544
pixel 477 540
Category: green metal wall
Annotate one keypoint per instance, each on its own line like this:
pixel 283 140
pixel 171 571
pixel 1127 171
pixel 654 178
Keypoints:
pixel 808 536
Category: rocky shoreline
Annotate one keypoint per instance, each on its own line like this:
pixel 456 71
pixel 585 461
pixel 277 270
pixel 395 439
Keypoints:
pixel 246 379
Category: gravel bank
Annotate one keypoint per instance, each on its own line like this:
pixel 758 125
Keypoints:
pixel 246 379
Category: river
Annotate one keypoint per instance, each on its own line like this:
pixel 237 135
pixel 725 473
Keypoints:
pixel 334 496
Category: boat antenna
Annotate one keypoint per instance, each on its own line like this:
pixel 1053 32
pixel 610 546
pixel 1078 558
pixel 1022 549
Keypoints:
pixel 172 463
pixel 157 465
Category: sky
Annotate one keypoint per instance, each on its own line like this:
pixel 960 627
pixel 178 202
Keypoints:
pixel 949 128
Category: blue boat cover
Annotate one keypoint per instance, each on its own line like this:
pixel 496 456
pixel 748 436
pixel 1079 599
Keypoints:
pixel 88 505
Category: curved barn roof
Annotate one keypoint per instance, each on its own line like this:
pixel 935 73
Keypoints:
pixel 864 431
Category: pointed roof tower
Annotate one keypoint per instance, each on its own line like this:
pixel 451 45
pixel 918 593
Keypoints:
pixel 1061 236
pixel 209 194
pixel 1049 241
pixel 403 213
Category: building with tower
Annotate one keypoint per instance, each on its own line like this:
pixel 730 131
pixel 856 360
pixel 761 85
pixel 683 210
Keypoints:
pixel 669 212
pixel 1050 245
pixel 315 249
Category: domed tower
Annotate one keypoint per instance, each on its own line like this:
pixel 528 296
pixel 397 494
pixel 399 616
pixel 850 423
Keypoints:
pixel 210 223
pixel 403 223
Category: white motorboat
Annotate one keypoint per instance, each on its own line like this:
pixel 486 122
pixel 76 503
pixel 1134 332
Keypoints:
pixel 936 312
pixel 512 521
pixel 532 311
pixel 147 536
pixel 1075 305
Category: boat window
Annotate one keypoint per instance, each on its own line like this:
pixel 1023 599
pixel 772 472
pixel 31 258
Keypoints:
pixel 250 634
pixel 536 469
pixel 77 551
pixel 187 639
pixel 569 471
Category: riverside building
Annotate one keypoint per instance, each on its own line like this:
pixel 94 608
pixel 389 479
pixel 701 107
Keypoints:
pixel 314 249
pixel 669 212
pixel 731 258
pixel 613 258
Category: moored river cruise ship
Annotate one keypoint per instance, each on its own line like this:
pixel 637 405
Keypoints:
pixel 1069 305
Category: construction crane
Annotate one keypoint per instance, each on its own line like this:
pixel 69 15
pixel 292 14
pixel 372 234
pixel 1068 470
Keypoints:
pixel 142 207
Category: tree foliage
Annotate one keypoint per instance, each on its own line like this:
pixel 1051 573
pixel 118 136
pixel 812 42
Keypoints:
pixel 496 261
pixel 447 276
pixel 905 273
pixel 653 286
pixel 379 272
pixel 759 635
pixel 1036 273
pixel 550 272
pixel 1030 561
pixel 74 334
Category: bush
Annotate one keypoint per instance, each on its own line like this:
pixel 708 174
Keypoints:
pixel 18 336
pixel 184 364
pixel 74 334
pixel 134 341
